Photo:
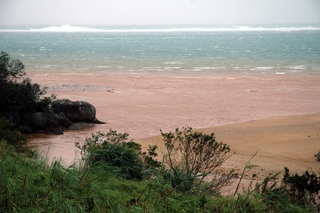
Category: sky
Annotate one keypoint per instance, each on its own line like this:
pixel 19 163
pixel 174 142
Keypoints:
pixel 158 12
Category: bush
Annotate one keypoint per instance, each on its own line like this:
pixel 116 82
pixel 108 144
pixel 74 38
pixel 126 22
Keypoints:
pixel 19 97
pixel 29 184
pixel 9 135
pixel 112 151
pixel 10 69
pixel 301 188
pixel 193 156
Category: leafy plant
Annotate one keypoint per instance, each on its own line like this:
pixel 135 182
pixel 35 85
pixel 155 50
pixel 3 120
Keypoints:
pixel 301 187
pixel 10 135
pixel 19 97
pixel 113 151
pixel 10 69
pixel 29 184
pixel 192 157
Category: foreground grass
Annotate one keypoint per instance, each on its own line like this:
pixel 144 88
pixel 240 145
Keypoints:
pixel 29 184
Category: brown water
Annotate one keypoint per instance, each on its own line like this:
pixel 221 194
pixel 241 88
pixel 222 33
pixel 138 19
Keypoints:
pixel 141 105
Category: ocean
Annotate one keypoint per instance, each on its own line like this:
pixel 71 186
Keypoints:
pixel 165 49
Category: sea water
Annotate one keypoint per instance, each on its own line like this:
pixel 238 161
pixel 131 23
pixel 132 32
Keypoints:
pixel 165 49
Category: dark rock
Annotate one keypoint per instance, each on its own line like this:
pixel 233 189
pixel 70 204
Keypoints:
pixel 317 156
pixel 63 120
pixel 44 122
pixel 75 111
pixel 64 114
pixel 55 131
pixel 80 126
pixel 96 121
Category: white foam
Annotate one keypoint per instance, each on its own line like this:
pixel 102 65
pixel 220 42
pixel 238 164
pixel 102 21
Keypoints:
pixel 173 62
pixel 69 28
pixel 103 67
pixel 297 67
pixel 264 68
pixel 62 28
pixel 197 69
pixel 172 68
pixel 151 68
pixel 65 28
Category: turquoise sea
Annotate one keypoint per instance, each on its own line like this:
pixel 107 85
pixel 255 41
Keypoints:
pixel 165 49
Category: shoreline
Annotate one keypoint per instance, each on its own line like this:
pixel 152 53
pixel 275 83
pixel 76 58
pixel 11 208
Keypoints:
pixel 142 104
pixel 279 142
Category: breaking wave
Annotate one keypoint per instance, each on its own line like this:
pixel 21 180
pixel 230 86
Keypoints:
pixel 70 28
pixel 64 28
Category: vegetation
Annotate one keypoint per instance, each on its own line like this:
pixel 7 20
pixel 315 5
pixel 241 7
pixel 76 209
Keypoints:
pixel 19 97
pixel 193 156
pixel 11 136
pixel 303 188
pixel 116 175
pixel 112 151
pixel 30 184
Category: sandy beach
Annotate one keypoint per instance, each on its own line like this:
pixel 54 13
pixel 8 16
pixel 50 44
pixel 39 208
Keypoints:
pixel 275 115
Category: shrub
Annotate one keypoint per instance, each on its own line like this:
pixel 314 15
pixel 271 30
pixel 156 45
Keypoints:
pixel 9 135
pixel 10 69
pixel 19 97
pixel 193 156
pixel 301 188
pixel 112 151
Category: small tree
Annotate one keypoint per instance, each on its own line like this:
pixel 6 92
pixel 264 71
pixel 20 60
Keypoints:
pixel 19 97
pixel 10 69
pixel 192 158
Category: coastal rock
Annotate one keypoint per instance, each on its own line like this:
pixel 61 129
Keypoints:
pixel 45 122
pixel 317 156
pixel 80 126
pixel 64 114
pixel 39 120
pixel 75 111
pixel 64 122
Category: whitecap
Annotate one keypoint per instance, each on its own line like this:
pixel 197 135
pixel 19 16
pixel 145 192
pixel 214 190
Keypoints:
pixel 173 62
pixel 151 68
pixel 103 67
pixel 172 68
pixel 197 69
pixel 263 68
pixel 297 67
pixel 65 28
pixel 70 28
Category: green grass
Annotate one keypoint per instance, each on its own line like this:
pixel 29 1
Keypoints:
pixel 29 184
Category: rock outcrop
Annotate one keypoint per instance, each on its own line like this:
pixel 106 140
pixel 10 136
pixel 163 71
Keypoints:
pixel 317 156
pixel 64 114
pixel 75 111
pixel 45 122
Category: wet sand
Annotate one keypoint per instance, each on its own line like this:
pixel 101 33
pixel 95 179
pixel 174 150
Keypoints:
pixel 141 105
pixel 288 141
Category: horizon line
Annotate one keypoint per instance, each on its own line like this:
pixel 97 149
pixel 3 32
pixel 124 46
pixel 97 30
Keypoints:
pixel 164 28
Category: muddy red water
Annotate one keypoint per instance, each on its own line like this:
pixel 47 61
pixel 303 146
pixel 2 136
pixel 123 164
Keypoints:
pixel 141 105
